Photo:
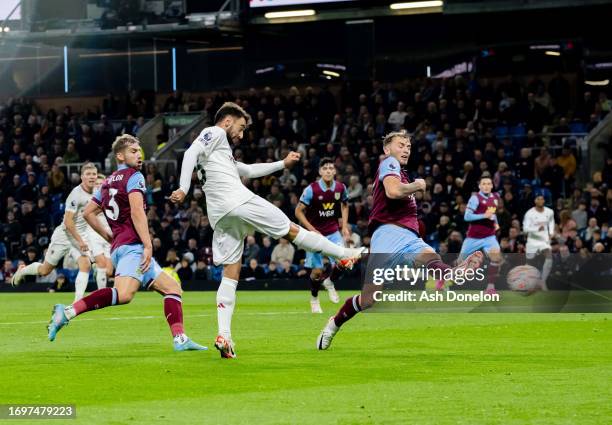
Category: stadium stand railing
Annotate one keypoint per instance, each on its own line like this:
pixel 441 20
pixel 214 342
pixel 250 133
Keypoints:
pixel 597 140
pixel 177 145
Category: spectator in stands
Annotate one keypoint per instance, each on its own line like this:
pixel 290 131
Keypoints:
pixel 252 270
pixel 397 117
pixel 286 272
pixel 7 272
pixel 265 251
pixel 283 251
pixel 273 272
pixel 567 161
pixel 184 269
pixel 251 249
pixel 580 216
pixel 71 155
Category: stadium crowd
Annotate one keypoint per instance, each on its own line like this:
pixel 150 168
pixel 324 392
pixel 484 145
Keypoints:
pixel 521 134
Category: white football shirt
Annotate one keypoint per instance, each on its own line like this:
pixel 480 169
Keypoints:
pixel 76 203
pixel 532 222
pixel 219 173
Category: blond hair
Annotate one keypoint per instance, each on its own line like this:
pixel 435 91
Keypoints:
pixel 388 138
pixel 122 142
pixel 88 166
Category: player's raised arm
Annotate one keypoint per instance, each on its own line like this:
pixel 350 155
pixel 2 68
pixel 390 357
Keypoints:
pixel 190 160
pixel 90 214
pixel 253 171
pixel 395 189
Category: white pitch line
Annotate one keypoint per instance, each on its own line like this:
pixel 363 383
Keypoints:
pixel 269 313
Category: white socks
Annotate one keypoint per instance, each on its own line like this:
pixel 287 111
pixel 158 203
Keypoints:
pixel 101 278
pixel 31 270
pixel 180 338
pixel 226 300
pixel 546 268
pixel 314 242
pixel 69 312
pixel 80 285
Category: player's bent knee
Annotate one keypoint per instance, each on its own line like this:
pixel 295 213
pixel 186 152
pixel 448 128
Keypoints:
pixel 294 229
pixel 426 256
pixel 495 255
pixel 315 274
pixel 165 285
pixel 125 295
pixel 45 269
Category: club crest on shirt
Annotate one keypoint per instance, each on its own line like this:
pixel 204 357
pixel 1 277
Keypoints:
pixel 392 166
pixel 207 137
pixel 320 197
pixel 337 196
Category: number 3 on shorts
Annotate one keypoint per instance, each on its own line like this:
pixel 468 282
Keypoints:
pixel 114 214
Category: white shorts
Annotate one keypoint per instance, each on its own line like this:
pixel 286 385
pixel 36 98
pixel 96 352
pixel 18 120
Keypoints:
pixel 61 245
pixel 533 249
pixel 98 245
pixel 255 214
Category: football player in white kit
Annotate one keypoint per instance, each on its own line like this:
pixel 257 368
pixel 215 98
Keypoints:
pixel 100 248
pixel 69 238
pixel 539 226
pixel 234 211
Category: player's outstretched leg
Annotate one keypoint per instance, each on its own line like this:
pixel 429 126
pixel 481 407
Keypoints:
pixel 173 310
pixel 351 307
pixel 34 269
pixel 315 242
pixel 472 261
pixel 101 298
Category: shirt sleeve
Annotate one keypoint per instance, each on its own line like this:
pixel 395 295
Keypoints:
pixel 471 207
pixel 345 194
pixel 72 203
pixel 97 197
pixel 259 170
pixel 528 225
pixel 136 183
pixel 389 167
pixel 189 162
pixel 306 196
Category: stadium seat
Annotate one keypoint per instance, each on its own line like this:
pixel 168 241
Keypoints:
pixel 578 127
pixel 518 132
pixel 501 132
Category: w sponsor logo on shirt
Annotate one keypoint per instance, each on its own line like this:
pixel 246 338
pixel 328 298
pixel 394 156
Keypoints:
pixel 328 209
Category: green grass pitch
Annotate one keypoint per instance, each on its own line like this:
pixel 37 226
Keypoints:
pixel 117 365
